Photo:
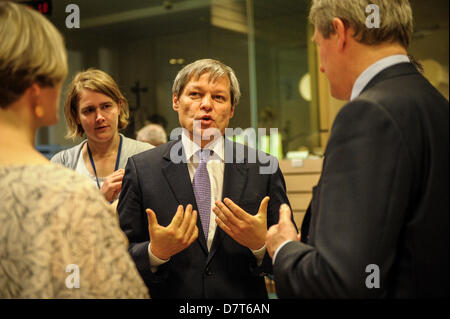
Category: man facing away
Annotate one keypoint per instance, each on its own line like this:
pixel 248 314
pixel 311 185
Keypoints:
pixel 174 198
pixel 377 225
pixel 153 134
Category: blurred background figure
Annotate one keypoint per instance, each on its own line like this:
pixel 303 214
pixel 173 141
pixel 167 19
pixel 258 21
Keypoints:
pixel 58 235
pixel 157 119
pixel 153 134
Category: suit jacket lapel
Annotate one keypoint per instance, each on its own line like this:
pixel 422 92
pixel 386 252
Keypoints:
pixel 235 174
pixel 177 176
pixel 234 180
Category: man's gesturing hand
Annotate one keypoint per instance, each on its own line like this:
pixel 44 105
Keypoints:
pixel 248 230
pixel 180 234
pixel 281 232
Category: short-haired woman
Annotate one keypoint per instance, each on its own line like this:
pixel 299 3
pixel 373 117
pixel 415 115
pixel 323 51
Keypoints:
pixel 58 237
pixel 96 108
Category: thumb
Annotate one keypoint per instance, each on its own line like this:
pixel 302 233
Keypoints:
pixel 285 214
pixel 152 220
pixel 263 207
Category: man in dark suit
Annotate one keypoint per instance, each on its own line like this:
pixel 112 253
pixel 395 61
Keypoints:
pixel 178 254
pixel 378 223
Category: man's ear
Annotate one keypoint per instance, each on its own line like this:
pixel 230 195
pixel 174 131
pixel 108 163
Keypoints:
pixel 233 108
pixel 341 33
pixel 175 102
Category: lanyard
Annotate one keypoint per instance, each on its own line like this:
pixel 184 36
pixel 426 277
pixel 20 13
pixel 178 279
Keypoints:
pixel 92 160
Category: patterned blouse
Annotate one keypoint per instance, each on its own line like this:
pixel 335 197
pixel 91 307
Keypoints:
pixel 60 239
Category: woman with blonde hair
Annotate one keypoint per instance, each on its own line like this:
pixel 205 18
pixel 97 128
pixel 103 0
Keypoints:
pixel 96 108
pixel 59 238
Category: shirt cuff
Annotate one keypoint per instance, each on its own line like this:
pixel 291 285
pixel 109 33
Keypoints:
pixel 155 262
pixel 278 249
pixel 259 254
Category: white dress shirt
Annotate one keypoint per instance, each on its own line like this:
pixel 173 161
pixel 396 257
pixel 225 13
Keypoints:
pixel 369 73
pixel 216 168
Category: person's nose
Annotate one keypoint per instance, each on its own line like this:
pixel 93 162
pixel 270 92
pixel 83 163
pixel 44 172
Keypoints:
pixel 99 115
pixel 207 102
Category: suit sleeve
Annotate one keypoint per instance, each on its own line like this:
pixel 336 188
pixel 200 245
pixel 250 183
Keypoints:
pixel 357 211
pixel 134 223
pixel 277 194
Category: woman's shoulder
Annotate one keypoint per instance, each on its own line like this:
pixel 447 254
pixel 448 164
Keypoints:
pixel 132 146
pixel 52 176
pixel 68 157
pixel 48 185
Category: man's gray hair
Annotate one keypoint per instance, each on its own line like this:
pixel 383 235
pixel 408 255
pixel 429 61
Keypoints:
pixel 396 20
pixel 216 70
pixel 153 134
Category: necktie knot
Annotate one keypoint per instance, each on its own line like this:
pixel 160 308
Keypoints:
pixel 204 155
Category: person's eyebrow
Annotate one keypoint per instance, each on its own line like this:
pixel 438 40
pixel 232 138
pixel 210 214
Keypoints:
pixel 193 87
pixel 92 105
pixel 82 107
pixel 220 91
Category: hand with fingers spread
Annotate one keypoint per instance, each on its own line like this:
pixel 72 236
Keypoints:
pixel 113 185
pixel 180 234
pixel 248 230
pixel 281 232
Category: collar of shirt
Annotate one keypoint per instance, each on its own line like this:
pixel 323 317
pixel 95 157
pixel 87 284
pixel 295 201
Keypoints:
pixel 365 77
pixel 190 148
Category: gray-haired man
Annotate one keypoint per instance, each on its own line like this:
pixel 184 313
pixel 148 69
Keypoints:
pixel 379 217
pixel 178 254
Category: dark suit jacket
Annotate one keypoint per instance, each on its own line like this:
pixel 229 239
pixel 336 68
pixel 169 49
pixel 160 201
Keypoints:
pixel 382 198
pixel 229 270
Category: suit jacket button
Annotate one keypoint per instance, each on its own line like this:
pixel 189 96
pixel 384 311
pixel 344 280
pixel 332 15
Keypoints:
pixel 208 271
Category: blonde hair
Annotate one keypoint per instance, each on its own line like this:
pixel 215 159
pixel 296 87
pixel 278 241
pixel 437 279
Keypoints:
pixel 216 70
pixel 31 51
pixel 97 81
pixel 396 20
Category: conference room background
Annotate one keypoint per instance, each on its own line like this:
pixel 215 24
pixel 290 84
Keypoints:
pixel 143 44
